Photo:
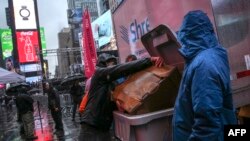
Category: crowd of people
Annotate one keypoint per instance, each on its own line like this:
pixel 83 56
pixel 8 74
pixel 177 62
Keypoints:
pixel 203 105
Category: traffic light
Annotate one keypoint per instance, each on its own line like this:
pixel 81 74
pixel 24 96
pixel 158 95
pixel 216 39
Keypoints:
pixel 9 17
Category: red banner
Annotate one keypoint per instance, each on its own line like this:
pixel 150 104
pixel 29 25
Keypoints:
pixel 89 51
pixel 27 44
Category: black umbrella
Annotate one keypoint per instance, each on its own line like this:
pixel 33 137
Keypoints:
pixel 70 80
pixel 33 91
pixel 15 88
pixel 56 82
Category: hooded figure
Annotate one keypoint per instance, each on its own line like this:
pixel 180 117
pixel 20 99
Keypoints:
pixel 204 103
pixel 105 58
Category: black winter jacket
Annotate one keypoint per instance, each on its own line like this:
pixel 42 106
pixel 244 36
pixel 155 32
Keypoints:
pixel 24 103
pixel 53 99
pixel 99 108
pixel 76 91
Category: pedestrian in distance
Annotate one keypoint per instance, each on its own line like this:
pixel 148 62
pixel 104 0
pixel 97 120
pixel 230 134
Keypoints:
pixel 97 116
pixel 204 102
pixel 131 57
pixel 76 92
pixel 55 108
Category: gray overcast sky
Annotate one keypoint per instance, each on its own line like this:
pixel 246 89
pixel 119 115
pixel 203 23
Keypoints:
pixel 52 16
pixel 3 4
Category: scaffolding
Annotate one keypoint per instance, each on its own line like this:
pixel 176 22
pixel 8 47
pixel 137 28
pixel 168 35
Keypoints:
pixel 66 60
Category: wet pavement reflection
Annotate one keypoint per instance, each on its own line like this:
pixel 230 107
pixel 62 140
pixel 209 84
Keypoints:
pixel 44 124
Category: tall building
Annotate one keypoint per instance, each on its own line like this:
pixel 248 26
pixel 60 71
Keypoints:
pixel 64 58
pixel 76 7
pixel 82 4
pixel 103 6
pixel 69 57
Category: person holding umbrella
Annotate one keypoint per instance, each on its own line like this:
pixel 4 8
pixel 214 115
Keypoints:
pixel 24 104
pixel 76 93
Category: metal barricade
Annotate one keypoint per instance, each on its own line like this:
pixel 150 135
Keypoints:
pixel 66 105
pixel 40 106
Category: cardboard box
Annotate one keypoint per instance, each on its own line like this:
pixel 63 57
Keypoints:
pixel 149 90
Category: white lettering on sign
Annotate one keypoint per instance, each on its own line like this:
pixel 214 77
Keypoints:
pixel 29 33
pixel 237 132
pixel 247 60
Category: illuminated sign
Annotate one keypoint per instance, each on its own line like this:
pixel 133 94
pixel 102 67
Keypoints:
pixel 33 79
pixel 43 41
pixel 27 44
pixel 102 29
pixel 7 44
pixel 6 41
pixel 24 13
pixel 75 16
pixel 30 67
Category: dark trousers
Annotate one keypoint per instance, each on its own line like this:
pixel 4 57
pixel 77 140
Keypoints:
pixel 57 117
pixel 90 133
pixel 27 126
pixel 76 104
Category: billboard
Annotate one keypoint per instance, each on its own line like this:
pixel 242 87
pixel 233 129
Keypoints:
pixel 43 41
pixel 30 67
pixel 133 19
pixel 27 44
pixel 102 29
pixel 74 16
pixel 33 79
pixel 24 13
pixel 6 42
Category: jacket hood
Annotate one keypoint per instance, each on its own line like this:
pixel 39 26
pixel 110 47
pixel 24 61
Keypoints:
pixel 196 34
pixel 103 58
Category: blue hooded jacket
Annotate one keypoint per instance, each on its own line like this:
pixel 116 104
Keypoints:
pixel 204 102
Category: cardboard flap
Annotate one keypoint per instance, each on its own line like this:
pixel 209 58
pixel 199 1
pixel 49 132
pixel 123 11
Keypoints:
pixel 161 71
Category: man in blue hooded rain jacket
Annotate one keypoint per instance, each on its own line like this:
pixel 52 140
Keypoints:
pixel 204 103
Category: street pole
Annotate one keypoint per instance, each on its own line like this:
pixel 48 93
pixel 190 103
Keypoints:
pixel 39 39
pixel 40 55
pixel 12 27
pixel 39 114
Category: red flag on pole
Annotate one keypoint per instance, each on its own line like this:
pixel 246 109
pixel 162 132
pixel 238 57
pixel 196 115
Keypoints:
pixel 89 51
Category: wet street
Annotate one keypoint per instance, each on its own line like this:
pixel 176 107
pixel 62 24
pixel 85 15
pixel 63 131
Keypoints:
pixel 44 125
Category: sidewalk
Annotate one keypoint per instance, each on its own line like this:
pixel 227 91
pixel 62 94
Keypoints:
pixel 9 127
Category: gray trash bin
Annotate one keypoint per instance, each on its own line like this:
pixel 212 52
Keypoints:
pixel 154 126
